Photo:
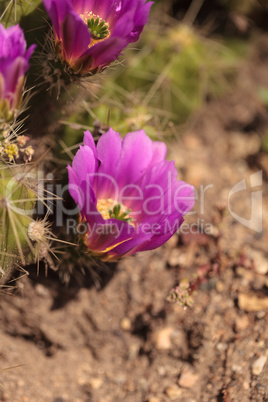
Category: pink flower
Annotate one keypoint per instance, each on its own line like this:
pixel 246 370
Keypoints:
pixel 14 63
pixel 91 34
pixel 128 194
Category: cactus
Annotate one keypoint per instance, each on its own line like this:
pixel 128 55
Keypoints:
pixel 178 65
pixel 17 200
pixel 24 238
pixel 11 12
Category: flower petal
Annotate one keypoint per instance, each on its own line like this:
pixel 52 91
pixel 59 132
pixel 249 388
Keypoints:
pixel 75 37
pixel 109 150
pixel 141 19
pixel 57 11
pixel 89 141
pixel 84 164
pixel 108 235
pixel 16 70
pixel 159 153
pixel 135 158
pixel 129 247
pixel 184 197
pixel 166 231
pixel 105 52
pixel 74 188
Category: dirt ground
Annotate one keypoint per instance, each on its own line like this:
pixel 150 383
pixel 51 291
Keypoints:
pixel 122 341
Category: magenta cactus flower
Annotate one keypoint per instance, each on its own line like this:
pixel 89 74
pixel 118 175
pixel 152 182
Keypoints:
pixel 91 34
pixel 14 63
pixel 127 193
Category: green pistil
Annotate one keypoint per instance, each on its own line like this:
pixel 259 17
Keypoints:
pixel 118 214
pixel 98 29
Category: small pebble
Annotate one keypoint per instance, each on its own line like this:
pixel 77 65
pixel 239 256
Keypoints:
pixel 241 323
pixel 245 385
pixel 42 291
pixel 250 302
pixel 162 371
pixel 221 347
pixel 236 368
pixel 219 286
pixel 214 231
pixel 125 324
pixel 173 258
pixel 133 351
pixel 154 399
pixel 259 260
pixel 258 365
pixel 162 339
pixel 95 383
pixel 173 392
pixel 260 315
pixel 188 378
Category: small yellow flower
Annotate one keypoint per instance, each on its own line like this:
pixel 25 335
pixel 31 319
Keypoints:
pixel 12 151
pixel 21 140
pixel 28 153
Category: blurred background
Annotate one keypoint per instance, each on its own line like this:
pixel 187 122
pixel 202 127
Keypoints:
pixel 189 55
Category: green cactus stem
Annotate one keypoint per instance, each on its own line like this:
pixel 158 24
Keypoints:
pixel 17 200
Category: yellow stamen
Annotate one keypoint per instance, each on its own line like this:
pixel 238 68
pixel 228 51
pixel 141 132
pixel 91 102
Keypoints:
pixel 12 151
pixel 104 205
pixel 86 16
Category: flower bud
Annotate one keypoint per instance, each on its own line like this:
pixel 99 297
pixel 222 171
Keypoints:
pixel 14 63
